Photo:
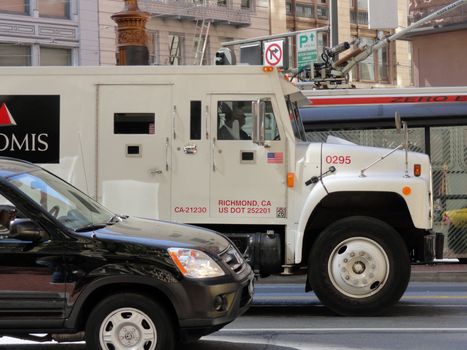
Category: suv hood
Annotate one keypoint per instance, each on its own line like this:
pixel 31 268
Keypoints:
pixel 161 234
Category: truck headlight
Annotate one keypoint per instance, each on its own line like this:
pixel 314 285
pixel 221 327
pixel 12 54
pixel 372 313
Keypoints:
pixel 194 263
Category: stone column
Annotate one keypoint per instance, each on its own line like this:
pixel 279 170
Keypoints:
pixel 131 35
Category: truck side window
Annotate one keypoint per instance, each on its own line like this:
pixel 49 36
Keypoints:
pixel 195 120
pixel 270 126
pixel 134 123
pixel 234 121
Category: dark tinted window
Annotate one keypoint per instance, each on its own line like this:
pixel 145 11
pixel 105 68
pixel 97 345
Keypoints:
pixel 134 123
pixel 195 120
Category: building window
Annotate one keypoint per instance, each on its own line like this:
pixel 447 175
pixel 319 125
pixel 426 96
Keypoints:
pixel 318 9
pixel 176 48
pixel 304 11
pixel 54 8
pixel 55 56
pixel 359 12
pixel 322 11
pixel 222 3
pixel 383 64
pixel 153 46
pixel 15 6
pixel 15 55
pixel 246 4
pixel 288 8
pixel 374 68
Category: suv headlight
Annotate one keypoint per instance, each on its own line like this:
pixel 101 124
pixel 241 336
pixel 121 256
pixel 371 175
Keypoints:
pixel 194 263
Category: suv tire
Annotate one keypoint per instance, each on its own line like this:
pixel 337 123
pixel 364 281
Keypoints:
pixel 129 321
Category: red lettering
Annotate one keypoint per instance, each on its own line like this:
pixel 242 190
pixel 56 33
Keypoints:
pixel 338 159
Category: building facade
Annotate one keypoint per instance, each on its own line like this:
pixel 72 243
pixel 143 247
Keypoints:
pixel 390 66
pixel 191 31
pixel 48 32
pixel 438 48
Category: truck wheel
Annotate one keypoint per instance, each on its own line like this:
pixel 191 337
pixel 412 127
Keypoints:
pixel 359 266
pixel 129 321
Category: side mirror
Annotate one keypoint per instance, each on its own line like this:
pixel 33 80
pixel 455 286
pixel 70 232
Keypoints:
pixel 27 230
pixel 258 108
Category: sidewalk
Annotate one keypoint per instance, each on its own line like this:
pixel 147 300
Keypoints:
pixel 439 272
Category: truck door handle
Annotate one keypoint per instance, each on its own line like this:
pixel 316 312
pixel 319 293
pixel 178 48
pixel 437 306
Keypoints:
pixel 155 171
pixel 190 149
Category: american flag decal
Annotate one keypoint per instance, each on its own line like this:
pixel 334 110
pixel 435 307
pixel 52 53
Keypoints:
pixel 275 157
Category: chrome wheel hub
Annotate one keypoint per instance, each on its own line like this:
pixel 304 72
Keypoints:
pixel 128 329
pixel 358 267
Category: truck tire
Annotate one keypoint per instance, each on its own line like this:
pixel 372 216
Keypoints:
pixel 359 266
pixel 129 321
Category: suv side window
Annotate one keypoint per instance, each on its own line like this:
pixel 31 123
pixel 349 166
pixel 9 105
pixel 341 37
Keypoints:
pixel 7 214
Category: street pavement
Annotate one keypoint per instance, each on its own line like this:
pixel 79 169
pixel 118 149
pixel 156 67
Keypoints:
pixel 431 315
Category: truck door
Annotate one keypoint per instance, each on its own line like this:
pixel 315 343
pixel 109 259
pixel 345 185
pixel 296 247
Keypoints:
pixel 134 136
pixel 248 181
pixel 190 162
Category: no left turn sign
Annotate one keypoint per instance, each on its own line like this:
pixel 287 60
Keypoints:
pixel 273 53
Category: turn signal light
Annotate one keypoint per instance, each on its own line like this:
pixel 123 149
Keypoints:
pixel 268 69
pixel 406 190
pixel 290 180
pixel 417 170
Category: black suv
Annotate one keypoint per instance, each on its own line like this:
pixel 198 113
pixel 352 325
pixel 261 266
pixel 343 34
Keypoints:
pixel 76 271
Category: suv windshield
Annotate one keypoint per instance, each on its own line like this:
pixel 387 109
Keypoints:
pixel 67 204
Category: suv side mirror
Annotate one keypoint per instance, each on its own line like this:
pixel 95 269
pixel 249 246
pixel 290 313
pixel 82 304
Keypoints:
pixel 27 230
pixel 258 109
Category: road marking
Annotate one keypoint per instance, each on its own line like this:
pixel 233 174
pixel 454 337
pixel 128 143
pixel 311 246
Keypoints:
pixel 346 330
pixel 287 297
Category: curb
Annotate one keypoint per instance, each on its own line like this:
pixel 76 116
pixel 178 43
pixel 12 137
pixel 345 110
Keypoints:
pixel 420 273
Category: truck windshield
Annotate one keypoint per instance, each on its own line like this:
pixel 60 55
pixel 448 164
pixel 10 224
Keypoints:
pixel 294 115
pixel 67 204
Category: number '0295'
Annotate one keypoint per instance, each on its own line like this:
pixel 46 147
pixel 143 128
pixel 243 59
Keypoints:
pixel 338 159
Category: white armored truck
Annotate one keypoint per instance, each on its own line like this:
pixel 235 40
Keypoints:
pixel 225 148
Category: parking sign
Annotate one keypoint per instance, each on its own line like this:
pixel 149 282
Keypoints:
pixel 307 48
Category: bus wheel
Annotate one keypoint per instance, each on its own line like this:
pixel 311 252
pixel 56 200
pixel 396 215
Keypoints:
pixel 359 266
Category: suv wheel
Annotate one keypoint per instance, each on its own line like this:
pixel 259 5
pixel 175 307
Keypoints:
pixel 129 321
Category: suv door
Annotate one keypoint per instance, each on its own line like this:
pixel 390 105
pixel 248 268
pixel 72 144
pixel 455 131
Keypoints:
pixel 32 280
